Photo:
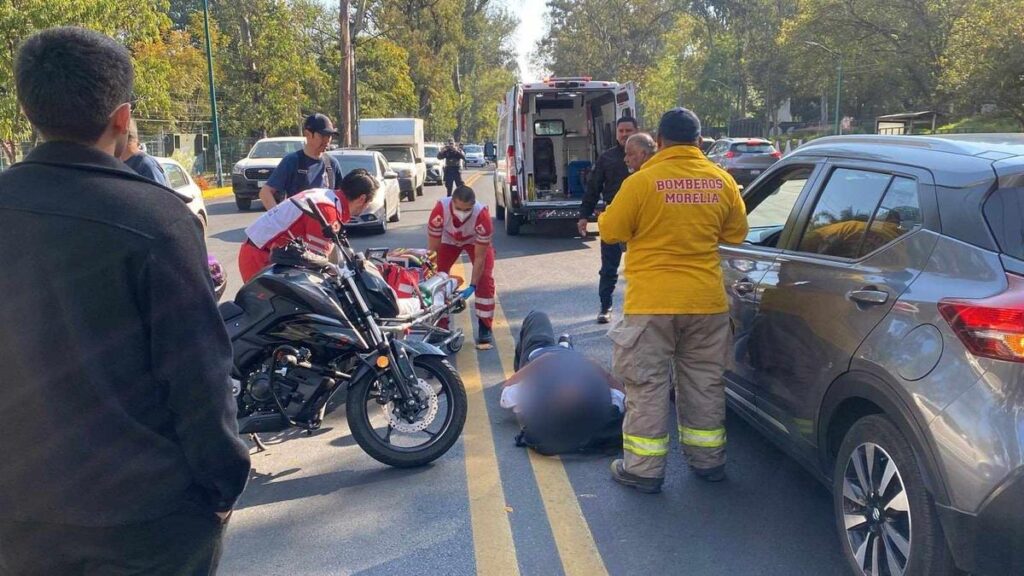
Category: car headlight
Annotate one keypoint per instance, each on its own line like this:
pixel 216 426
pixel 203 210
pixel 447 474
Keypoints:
pixel 237 169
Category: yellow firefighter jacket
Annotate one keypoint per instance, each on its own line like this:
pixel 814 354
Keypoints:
pixel 673 213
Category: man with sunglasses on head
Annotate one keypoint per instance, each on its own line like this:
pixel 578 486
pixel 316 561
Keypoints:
pixel 120 440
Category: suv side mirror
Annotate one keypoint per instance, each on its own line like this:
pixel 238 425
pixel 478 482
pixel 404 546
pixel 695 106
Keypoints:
pixel 419 160
pixel 390 175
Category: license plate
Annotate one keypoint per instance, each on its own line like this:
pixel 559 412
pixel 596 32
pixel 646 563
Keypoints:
pixel 260 183
pixel 558 214
pixel 754 172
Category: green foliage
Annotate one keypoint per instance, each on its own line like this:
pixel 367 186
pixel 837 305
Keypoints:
pixel 743 58
pixel 984 62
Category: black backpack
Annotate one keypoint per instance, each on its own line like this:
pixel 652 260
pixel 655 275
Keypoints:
pixel 569 418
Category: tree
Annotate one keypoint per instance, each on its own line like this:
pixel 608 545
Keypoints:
pixel 132 22
pixel 263 67
pixel 983 62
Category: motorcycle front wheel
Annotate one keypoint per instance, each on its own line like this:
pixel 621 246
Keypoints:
pixel 392 440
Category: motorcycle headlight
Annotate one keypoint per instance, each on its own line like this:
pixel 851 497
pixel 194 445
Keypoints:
pixel 237 169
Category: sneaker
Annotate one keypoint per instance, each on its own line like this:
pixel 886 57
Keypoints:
pixel 713 474
pixel 485 338
pixel 565 341
pixel 605 316
pixel 645 485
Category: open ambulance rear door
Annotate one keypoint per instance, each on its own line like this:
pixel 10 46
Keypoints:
pixel 625 100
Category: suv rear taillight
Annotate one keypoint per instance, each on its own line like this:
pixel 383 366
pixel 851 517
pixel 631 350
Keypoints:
pixel 776 154
pixel 990 327
pixel 732 154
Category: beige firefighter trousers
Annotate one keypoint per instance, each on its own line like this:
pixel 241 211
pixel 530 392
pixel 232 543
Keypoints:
pixel 646 350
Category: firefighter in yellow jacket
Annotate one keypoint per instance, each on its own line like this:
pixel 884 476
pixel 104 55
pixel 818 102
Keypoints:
pixel 673 213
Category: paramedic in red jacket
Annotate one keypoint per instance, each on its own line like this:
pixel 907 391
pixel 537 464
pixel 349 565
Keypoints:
pixel 286 221
pixel 461 224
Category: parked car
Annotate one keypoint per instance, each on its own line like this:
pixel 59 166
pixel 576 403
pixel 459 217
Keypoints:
pixel 180 180
pixel 474 156
pixel 386 206
pixel 435 170
pixel 250 173
pixel 706 144
pixel 878 314
pixel 744 158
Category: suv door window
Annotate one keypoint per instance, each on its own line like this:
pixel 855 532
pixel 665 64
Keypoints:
pixel 770 204
pixel 842 214
pixel 899 213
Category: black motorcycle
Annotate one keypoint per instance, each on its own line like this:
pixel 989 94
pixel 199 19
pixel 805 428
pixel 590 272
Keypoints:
pixel 305 331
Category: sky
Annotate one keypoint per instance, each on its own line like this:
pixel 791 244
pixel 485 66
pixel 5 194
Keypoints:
pixel 531 28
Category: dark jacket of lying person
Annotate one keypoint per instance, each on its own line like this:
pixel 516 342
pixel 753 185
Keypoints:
pixel 564 401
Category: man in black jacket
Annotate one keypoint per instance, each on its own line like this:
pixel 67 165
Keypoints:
pixel 121 450
pixel 605 179
pixel 453 157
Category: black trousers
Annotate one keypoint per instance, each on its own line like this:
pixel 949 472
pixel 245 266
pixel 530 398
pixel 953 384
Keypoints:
pixel 186 543
pixel 535 333
pixel 611 257
pixel 452 178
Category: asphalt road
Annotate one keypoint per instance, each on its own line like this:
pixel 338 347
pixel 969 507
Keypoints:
pixel 319 505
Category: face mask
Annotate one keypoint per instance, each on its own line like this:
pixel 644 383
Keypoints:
pixel 462 214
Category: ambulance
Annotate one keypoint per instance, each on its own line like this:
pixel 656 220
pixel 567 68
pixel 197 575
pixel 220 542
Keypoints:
pixel 550 134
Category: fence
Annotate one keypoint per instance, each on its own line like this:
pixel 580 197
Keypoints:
pixel 195 154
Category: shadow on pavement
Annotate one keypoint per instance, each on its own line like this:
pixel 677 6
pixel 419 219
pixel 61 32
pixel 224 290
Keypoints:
pixel 266 489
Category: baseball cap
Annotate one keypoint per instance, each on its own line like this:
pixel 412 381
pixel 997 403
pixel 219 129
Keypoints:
pixel 679 125
pixel 319 124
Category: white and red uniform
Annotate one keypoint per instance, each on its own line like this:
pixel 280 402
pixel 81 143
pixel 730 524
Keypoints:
pixel 286 221
pixel 458 236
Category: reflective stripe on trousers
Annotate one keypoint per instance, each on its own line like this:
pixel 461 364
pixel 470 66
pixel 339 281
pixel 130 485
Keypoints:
pixel 645 446
pixel 702 438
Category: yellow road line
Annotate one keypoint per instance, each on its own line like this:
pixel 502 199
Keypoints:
pixel 575 543
pixel 493 545
pixel 472 179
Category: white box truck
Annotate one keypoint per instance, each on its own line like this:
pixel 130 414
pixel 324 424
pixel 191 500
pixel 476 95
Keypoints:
pixel 549 136
pixel 400 140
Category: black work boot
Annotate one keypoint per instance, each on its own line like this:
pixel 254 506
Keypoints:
pixel 713 474
pixel 645 485
pixel 484 339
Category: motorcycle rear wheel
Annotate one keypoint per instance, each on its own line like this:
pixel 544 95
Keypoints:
pixel 373 431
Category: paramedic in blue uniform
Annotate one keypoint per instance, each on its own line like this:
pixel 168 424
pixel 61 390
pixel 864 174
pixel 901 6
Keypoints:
pixel 608 173
pixel 306 168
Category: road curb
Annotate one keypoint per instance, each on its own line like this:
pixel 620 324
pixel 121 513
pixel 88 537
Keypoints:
pixel 211 193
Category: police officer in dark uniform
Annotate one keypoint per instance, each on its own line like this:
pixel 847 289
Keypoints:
pixel 608 174
pixel 453 157
pixel 306 168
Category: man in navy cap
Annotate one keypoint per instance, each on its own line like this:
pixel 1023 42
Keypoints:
pixel 306 168
pixel 673 213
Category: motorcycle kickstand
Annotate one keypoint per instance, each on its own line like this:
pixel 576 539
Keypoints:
pixel 260 446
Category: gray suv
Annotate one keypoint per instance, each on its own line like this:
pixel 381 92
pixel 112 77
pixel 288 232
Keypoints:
pixel 878 316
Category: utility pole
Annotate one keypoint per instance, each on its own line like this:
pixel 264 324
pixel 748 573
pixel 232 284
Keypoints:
pixel 839 78
pixel 345 76
pixel 213 93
